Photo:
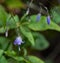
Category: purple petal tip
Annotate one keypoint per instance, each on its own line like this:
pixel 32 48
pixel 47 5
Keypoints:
pixel 48 19
pixel 18 41
pixel 38 17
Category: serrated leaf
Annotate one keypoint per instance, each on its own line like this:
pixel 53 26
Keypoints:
pixel 27 33
pixel 42 24
pixel 40 42
pixel 34 59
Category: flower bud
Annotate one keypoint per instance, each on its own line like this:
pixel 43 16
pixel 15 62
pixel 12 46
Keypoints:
pixel 38 17
pixel 48 19
pixel 6 33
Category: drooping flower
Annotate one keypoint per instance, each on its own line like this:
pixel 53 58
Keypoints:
pixel 38 17
pixel 18 41
pixel 48 19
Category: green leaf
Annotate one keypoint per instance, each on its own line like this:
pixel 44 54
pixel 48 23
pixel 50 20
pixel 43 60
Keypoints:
pixel 16 18
pixel 1 52
pixel 12 61
pixel 34 59
pixel 3 60
pixel 3 16
pixel 3 43
pixel 27 33
pixel 11 21
pixel 14 3
pixel 40 42
pixel 19 58
pixel 13 55
pixel 55 13
pixel 42 24
pixel 10 53
pixel 10 47
pixel 2 30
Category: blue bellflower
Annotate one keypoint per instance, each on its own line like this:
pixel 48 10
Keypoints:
pixel 38 17
pixel 48 19
pixel 18 41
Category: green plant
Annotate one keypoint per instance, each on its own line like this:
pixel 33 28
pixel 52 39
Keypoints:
pixel 27 32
